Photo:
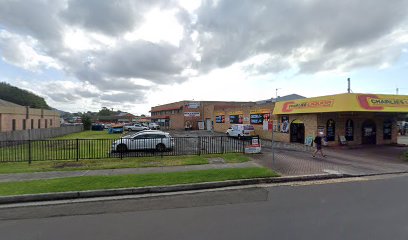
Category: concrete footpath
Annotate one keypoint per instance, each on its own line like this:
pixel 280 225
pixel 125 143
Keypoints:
pixel 14 177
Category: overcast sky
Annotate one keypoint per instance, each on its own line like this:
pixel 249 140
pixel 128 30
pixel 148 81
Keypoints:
pixel 131 55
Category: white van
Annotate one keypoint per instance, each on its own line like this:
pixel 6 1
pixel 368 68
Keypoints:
pixel 241 130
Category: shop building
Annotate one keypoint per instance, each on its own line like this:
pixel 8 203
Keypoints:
pixel 189 115
pixel 257 114
pixel 348 118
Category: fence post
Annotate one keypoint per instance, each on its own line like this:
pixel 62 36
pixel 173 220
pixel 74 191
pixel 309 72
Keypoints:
pixel 199 145
pixel 121 148
pixel 222 145
pixel 77 148
pixel 29 151
pixel 243 145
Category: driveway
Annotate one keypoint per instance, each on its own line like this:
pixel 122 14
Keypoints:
pixel 353 161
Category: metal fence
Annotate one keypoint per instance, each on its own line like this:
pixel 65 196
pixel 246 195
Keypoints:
pixel 77 149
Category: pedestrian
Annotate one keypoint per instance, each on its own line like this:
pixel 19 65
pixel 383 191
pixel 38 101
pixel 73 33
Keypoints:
pixel 318 141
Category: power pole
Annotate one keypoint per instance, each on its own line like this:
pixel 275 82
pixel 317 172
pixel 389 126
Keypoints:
pixel 397 90
pixel 349 88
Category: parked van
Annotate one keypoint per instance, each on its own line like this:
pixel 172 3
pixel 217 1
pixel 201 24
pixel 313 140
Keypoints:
pixel 241 130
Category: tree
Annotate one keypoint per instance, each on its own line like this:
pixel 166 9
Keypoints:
pixel 105 112
pixel 21 97
pixel 86 121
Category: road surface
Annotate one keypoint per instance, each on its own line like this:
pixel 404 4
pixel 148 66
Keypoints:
pixel 341 209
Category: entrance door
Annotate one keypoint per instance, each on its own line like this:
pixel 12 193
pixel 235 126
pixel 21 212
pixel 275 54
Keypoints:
pixel 297 132
pixel 369 132
pixel 208 122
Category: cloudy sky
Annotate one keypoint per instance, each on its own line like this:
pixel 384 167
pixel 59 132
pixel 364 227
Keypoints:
pixel 131 55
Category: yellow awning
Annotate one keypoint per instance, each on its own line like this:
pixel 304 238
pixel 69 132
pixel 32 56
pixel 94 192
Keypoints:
pixel 347 102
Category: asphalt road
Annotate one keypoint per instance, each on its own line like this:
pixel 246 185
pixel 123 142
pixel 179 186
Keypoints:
pixel 365 209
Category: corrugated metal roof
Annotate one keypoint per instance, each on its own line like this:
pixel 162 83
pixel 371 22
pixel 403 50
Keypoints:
pixel 4 103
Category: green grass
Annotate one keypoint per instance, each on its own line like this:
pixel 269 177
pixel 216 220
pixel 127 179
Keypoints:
pixel 91 135
pixel 126 181
pixel 115 163
pixel 66 148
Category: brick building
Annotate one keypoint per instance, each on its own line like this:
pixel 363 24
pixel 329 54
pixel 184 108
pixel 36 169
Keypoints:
pixel 189 114
pixel 15 117
pixel 344 118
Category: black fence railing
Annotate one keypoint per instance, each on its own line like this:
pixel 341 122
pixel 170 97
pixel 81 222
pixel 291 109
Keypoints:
pixel 77 149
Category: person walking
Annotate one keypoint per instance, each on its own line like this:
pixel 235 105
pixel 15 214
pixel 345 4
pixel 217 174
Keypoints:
pixel 318 141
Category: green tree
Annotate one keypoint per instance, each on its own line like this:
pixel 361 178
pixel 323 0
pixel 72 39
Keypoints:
pixel 86 121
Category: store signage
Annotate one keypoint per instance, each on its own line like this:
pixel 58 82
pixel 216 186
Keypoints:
pixel 254 147
pixel 192 105
pixel 290 106
pixel 191 114
pixel 376 102
pixel 259 111
pixel 237 119
pixel 236 113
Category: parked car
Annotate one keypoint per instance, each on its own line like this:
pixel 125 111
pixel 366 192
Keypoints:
pixel 136 127
pixel 146 140
pixel 241 130
pixel 154 126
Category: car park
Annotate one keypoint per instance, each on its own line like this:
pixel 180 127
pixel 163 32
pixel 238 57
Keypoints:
pixel 146 140
pixel 241 130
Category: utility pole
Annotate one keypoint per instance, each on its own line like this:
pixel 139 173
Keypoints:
pixel 276 94
pixel 348 82
pixel 397 91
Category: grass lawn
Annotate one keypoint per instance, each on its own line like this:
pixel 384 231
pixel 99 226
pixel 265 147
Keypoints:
pixel 113 163
pixel 91 135
pixel 64 147
pixel 126 181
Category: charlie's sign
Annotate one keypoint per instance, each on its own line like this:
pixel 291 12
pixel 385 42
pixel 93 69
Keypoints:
pixel 375 102
pixel 290 106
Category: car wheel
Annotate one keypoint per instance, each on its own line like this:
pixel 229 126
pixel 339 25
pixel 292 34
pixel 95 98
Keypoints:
pixel 160 147
pixel 239 136
pixel 129 129
pixel 121 148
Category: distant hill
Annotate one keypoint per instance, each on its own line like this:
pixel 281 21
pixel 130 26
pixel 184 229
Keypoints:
pixel 21 97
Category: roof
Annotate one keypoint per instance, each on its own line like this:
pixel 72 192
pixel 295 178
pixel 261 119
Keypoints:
pixel 281 99
pixel 347 102
pixel 4 103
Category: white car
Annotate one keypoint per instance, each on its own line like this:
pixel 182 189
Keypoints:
pixel 136 127
pixel 154 125
pixel 241 130
pixel 146 140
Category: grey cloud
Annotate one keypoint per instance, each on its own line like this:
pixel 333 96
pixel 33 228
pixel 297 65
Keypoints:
pixel 107 16
pixel 230 32
pixel 134 97
pixel 160 63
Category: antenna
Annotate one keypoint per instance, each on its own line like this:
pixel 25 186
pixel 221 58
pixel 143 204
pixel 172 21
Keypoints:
pixel 277 93
pixel 348 82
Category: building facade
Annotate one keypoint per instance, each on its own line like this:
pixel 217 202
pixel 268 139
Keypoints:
pixel 14 117
pixel 189 115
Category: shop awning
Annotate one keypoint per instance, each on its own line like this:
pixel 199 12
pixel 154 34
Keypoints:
pixel 348 102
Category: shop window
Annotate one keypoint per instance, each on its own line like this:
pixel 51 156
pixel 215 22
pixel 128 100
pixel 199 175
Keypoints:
pixel 220 119
pixel 13 124
pixel 259 118
pixel 32 124
pixel 39 123
pixel 24 124
pixel 236 119
pixel 387 130
pixel 331 130
pixel 349 130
